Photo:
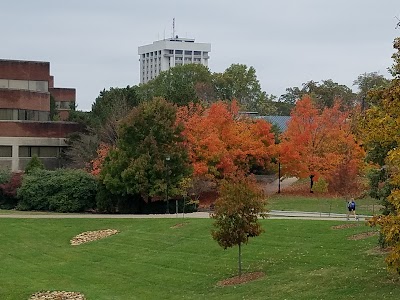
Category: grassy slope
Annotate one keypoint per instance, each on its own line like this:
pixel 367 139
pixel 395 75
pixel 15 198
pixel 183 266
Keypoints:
pixel 150 260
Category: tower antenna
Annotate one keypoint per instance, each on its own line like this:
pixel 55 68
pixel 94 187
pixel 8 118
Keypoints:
pixel 173 28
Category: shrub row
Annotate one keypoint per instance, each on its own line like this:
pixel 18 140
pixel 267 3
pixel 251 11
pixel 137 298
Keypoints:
pixel 68 190
pixel 61 191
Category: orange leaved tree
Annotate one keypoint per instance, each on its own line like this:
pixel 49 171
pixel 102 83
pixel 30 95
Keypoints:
pixel 222 143
pixel 317 142
pixel 97 163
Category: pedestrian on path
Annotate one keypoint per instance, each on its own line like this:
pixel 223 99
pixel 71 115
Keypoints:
pixel 351 208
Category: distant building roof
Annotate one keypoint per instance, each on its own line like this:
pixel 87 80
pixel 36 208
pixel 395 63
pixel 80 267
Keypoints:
pixel 280 121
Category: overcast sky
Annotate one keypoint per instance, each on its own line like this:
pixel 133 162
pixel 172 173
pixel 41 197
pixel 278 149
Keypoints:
pixel 92 44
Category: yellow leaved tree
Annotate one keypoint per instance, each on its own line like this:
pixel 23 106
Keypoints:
pixel 380 131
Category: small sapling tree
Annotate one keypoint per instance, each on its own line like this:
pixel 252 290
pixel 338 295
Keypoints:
pixel 236 214
pixel 34 164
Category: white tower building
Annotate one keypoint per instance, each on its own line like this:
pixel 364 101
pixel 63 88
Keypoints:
pixel 164 54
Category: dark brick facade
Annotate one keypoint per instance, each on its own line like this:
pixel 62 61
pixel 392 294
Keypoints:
pixel 24 70
pixel 32 100
pixel 37 129
pixel 23 99
pixel 63 94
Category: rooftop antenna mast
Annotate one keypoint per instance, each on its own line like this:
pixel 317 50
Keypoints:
pixel 173 27
pixel 398 23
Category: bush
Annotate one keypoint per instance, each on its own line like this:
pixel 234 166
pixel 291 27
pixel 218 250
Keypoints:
pixel 61 191
pixel 9 184
pixel 5 176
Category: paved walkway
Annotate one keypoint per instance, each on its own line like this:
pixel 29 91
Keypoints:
pixel 272 188
pixel 274 214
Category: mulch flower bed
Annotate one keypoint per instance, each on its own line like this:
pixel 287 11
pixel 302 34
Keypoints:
pixel 57 295
pixel 90 236
pixel 242 279
pixel 363 235
pixel 179 225
pixel 344 226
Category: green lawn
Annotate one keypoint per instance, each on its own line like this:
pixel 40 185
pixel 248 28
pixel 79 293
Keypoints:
pixel 366 206
pixel 150 260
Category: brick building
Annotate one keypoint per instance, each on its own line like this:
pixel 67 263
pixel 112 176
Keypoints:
pixel 26 88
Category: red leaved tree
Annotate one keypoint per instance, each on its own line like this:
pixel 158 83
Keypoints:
pixel 221 143
pixel 319 143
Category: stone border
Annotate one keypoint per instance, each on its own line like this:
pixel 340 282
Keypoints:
pixel 57 295
pixel 89 236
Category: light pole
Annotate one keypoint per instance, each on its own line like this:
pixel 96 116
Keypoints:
pixel 279 177
pixel 167 159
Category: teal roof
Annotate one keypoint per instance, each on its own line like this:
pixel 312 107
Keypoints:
pixel 280 121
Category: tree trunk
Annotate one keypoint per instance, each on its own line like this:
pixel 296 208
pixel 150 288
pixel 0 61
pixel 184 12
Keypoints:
pixel 184 202
pixel 240 259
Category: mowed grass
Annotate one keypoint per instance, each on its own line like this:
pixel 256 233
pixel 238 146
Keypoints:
pixel 150 259
pixel 365 206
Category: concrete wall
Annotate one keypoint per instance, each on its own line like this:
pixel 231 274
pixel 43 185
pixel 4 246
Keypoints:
pixel 16 163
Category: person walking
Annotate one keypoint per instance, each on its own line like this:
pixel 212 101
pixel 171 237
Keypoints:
pixel 351 208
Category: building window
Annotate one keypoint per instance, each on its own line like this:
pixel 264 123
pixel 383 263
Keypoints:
pixel 24 115
pixel 31 85
pixel 5 151
pixel 197 52
pixel 6 114
pixel 39 151
pixel 64 104
pixel 178 51
pixel 187 52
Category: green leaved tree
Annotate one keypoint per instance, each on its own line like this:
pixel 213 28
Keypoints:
pixel 180 85
pixel 150 156
pixel 236 214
